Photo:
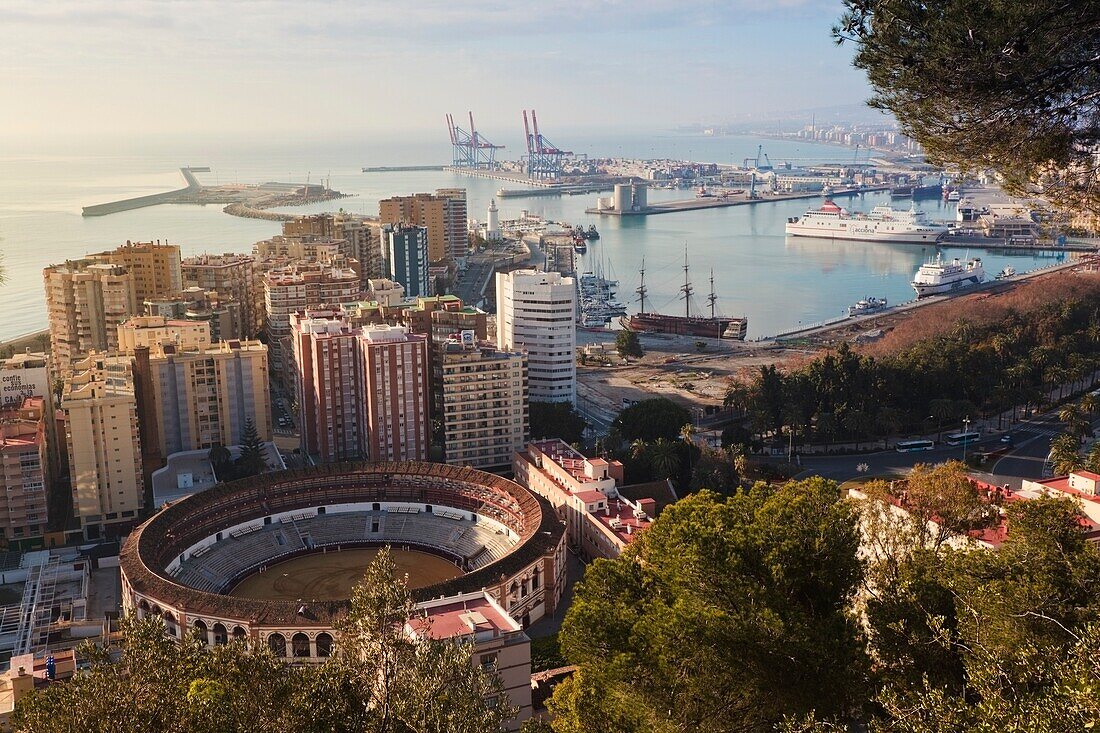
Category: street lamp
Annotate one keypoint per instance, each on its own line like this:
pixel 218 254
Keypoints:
pixel 966 437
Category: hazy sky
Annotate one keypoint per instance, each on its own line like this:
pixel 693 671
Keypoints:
pixel 130 67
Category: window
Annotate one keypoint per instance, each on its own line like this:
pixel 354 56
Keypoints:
pixel 488 662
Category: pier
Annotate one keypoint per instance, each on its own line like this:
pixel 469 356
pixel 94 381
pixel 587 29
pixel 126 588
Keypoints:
pixel 402 168
pixel 721 202
pixel 562 190
pixel 153 199
pixel 243 200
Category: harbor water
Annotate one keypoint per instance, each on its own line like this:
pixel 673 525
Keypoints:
pixel 778 282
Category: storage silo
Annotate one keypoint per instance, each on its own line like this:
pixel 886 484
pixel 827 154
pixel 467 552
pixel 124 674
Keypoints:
pixel 622 197
pixel 639 197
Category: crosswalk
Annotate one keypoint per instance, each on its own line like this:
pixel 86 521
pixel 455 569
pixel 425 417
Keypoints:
pixel 1039 430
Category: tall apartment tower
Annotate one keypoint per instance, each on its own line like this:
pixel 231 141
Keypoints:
pixel 24 470
pixel 328 385
pixel 456 222
pixel 406 257
pixel 101 434
pixel 230 274
pixel 362 390
pixel 536 313
pixel 443 214
pixel 484 394
pixel 86 301
pixel 155 267
pixel 395 387
pixel 295 288
pixel 203 396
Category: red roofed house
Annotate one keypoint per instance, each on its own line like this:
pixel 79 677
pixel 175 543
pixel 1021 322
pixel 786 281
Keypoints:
pixel 499 642
pixel 600 521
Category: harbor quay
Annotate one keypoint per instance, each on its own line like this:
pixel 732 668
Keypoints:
pixel 721 202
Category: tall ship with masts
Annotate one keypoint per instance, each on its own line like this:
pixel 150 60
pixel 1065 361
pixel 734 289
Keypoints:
pixel 713 326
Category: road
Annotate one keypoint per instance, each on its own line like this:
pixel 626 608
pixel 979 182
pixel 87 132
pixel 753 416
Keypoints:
pixel 1024 461
pixel 471 283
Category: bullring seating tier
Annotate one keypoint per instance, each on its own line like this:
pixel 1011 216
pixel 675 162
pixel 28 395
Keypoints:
pixel 157 545
pixel 217 567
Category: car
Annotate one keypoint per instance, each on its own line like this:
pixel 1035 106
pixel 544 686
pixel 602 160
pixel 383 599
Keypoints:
pixel 1007 439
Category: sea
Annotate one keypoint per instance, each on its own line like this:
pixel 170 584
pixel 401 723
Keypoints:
pixel 780 283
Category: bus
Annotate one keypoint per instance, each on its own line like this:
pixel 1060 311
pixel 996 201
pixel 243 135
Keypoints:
pixel 963 438
pixel 911 446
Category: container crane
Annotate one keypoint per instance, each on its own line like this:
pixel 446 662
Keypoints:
pixel 544 159
pixel 470 149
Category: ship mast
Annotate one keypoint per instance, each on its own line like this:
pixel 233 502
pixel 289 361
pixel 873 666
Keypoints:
pixel 686 288
pixel 712 298
pixel 642 291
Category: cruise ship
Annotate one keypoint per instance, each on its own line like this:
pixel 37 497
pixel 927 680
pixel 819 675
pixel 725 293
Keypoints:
pixel 883 224
pixel 936 277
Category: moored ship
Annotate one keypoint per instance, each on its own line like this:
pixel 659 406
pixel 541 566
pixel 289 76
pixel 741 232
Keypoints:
pixel 714 326
pixel 937 276
pixel 883 224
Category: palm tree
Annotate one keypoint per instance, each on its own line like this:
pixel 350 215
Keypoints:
pixel 1089 404
pixel 1074 418
pixel 1092 461
pixel 1063 454
pixel 664 457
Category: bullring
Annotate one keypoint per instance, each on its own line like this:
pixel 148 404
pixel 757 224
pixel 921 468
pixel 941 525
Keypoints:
pixel 182 563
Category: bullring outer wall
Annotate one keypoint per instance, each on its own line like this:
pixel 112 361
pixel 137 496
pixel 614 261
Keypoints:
pixel 148 589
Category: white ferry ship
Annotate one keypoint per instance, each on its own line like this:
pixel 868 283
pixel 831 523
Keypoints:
pixel 938 276
pixel 883 224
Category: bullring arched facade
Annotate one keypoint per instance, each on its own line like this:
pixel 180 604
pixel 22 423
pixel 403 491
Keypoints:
pixel 170 563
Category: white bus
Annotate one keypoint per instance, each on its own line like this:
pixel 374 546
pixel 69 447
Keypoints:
pixel 911 446
pixel 963 438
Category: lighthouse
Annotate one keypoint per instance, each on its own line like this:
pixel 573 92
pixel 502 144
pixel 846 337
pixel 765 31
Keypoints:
pixel 492 225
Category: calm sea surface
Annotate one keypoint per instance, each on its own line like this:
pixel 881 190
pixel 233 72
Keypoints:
pixel 778 282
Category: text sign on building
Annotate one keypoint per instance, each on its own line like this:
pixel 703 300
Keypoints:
pixel 16 385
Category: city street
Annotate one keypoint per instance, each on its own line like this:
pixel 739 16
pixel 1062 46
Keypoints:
pixel 1024 460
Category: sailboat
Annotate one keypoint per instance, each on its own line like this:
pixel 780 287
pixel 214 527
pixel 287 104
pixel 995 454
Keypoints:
pixel 712 326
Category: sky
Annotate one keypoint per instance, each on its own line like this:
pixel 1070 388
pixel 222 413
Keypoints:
pixel 73 68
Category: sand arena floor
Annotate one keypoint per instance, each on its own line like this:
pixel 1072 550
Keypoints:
pixel 332 575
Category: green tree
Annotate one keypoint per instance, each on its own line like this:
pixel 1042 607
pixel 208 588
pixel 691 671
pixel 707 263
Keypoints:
pixel 627 344
pixel 764 577
pixel 556 420
pixel 251 460
pixel 996 84
pixel 651 419
pixel 717 470
pixel 220 458
pixel 664 458
pixel 1064 456
pixel 380 680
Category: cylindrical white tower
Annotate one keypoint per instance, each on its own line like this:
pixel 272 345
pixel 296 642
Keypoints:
pixel 622 197
pixel 492 226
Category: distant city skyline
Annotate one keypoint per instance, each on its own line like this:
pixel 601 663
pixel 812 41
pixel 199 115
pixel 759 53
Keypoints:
pixel 269 67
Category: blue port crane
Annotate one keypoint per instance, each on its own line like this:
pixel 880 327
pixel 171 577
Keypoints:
pixel 544 159
pixel 470 149
pixel 765 166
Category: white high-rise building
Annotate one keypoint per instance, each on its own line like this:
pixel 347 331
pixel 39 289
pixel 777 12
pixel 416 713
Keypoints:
pixel 536 313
